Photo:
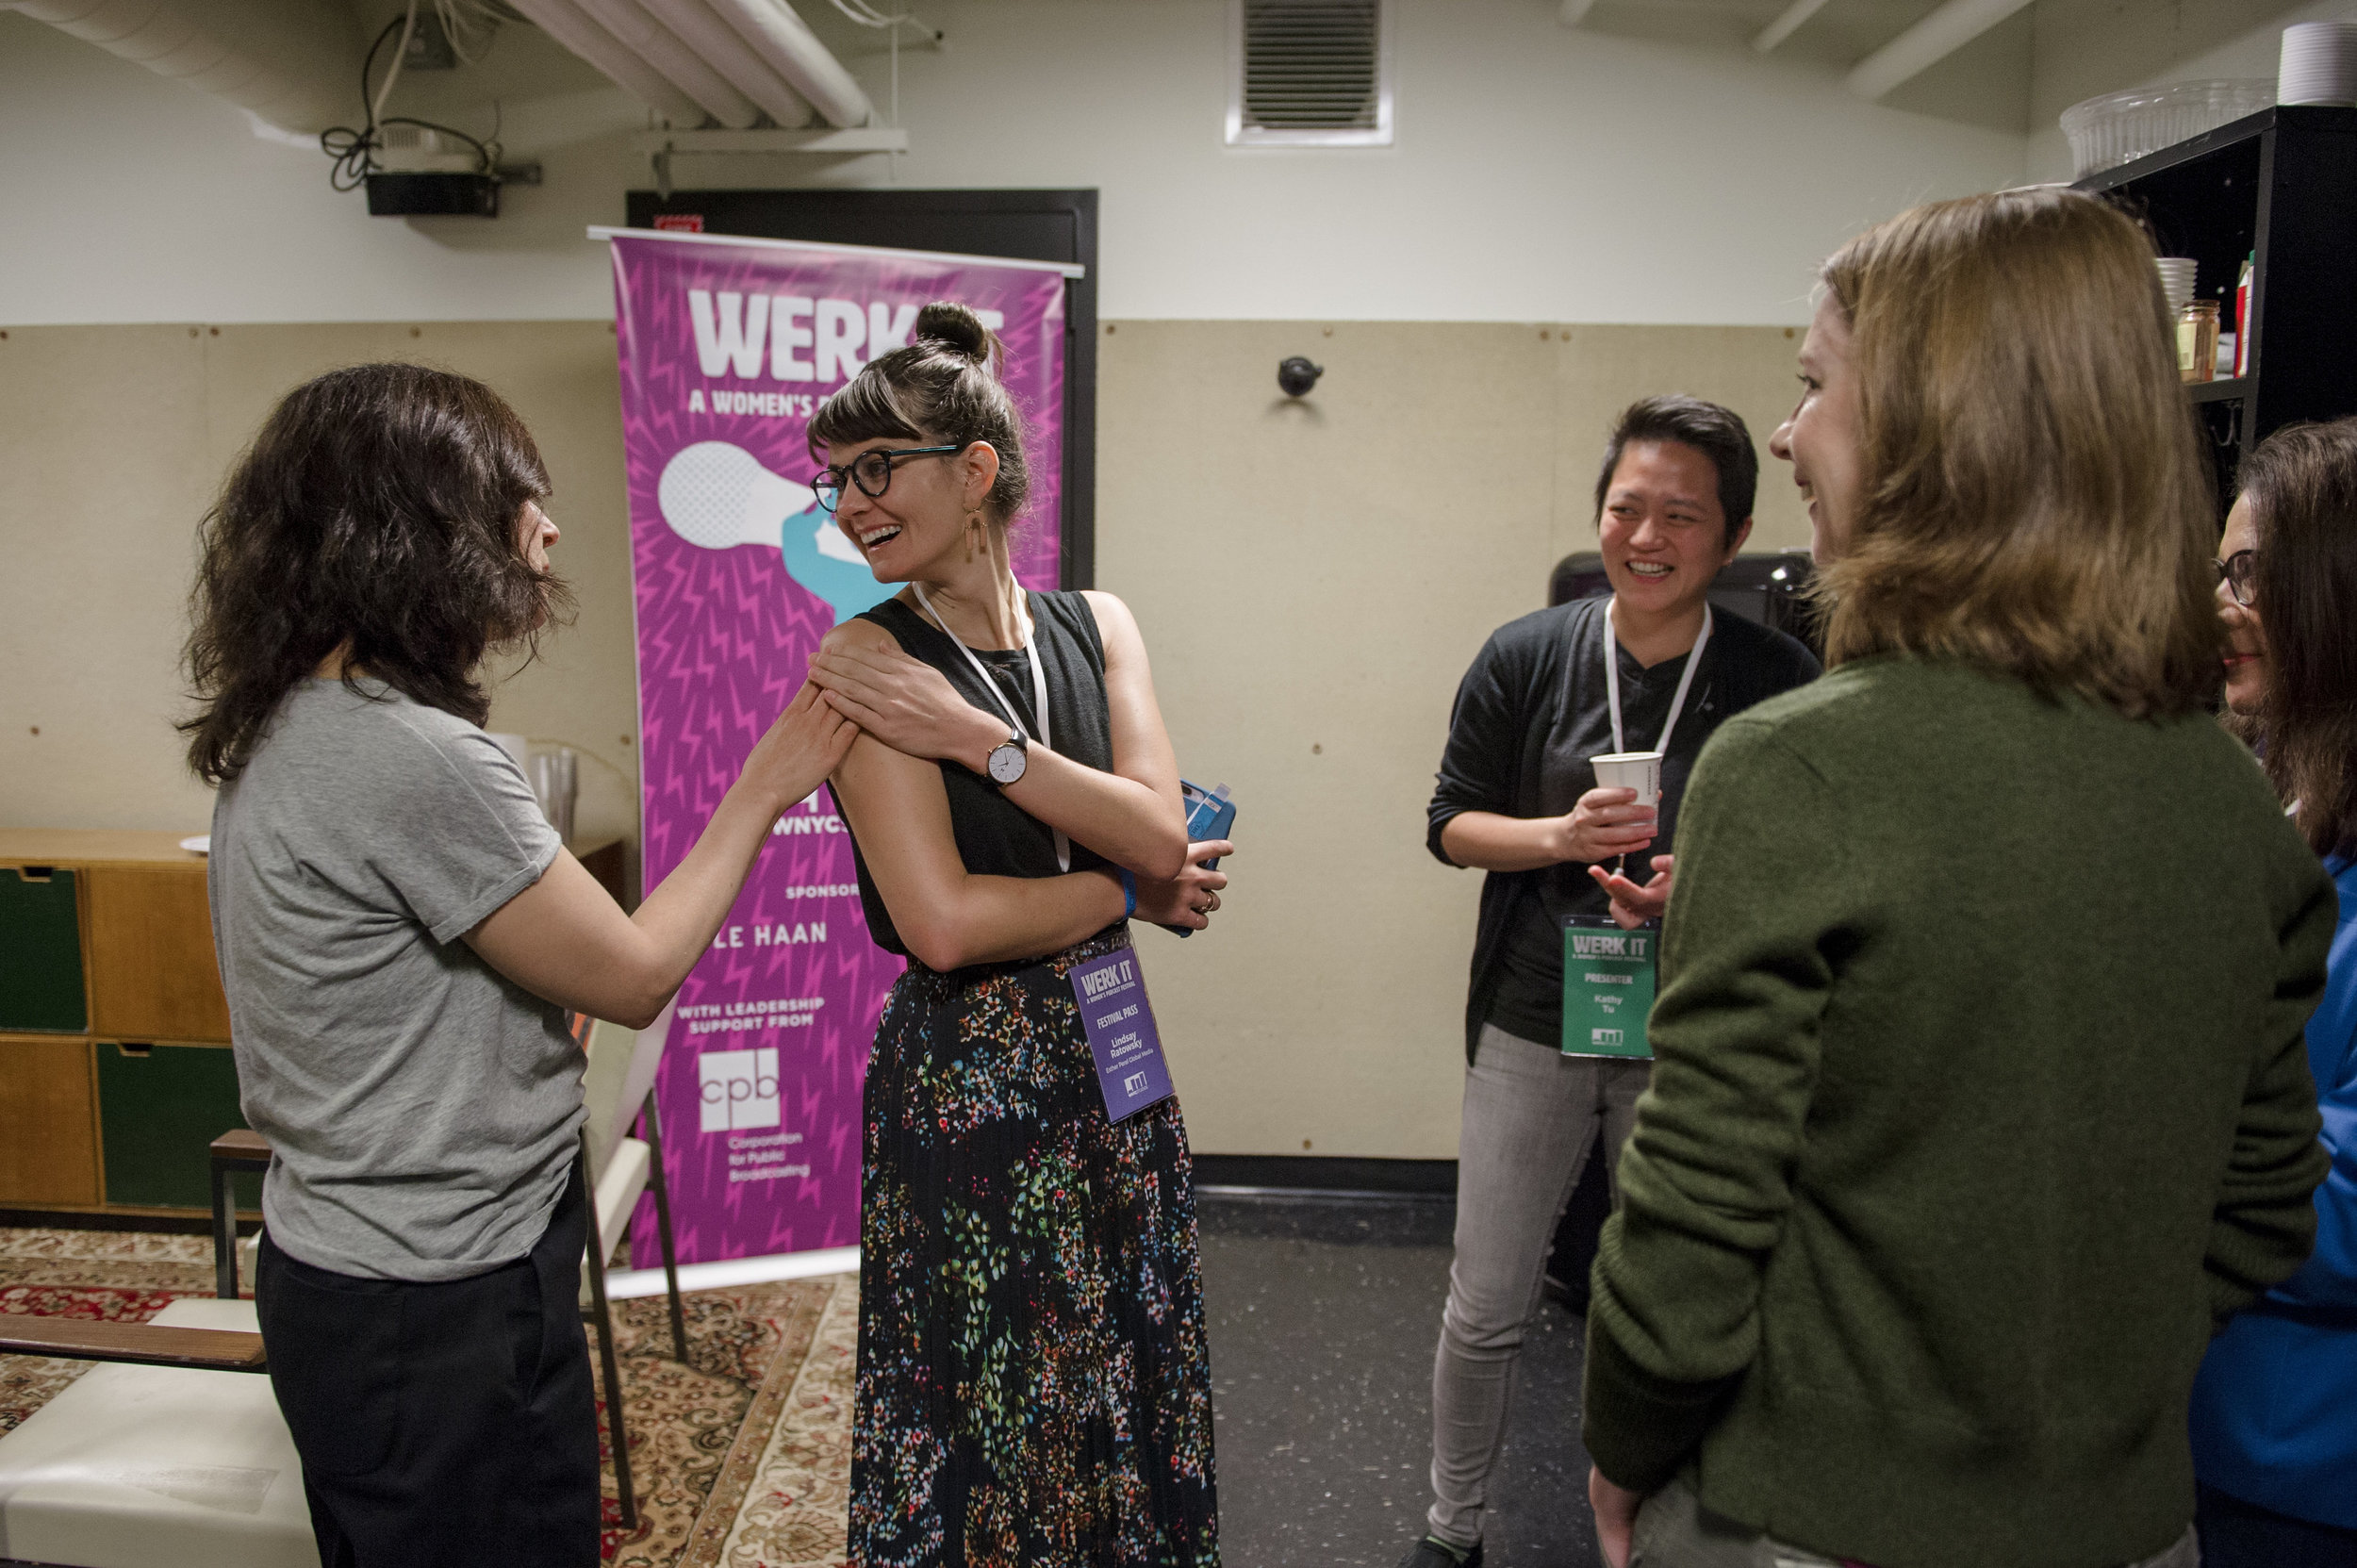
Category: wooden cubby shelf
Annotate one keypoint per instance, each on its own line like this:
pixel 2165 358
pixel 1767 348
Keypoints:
pixel 115 1067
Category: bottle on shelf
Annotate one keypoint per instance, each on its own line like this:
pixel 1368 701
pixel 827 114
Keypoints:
pixel 2197 340
pixel 2242 316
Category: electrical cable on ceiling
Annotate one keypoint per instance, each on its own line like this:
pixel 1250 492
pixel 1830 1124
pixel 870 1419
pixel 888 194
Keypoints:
pixel 454 32
pixel 355 151
pixel 401 57
pixel 472 26
pixel 868 16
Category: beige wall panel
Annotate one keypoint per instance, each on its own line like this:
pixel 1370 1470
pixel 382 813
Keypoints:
pixel 1313 578
pixel 113 440
pixel 103 474
pixel 561 378
pixel 1602 370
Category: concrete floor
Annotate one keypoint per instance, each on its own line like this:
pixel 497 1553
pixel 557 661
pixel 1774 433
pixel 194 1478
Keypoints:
pixel 1323 1312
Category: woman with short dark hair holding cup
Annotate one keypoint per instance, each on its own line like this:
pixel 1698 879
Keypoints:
pixel 1644 675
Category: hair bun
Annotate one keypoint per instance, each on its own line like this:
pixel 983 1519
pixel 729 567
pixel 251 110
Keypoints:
pixel 956 328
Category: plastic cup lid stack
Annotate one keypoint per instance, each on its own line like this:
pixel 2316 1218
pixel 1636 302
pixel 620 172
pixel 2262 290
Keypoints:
pixel 2319 64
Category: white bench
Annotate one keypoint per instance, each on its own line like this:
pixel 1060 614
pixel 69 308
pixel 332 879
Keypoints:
pixel 159 1467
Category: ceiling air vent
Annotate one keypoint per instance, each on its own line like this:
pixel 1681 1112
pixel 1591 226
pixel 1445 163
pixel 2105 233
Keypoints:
pixel 1310 73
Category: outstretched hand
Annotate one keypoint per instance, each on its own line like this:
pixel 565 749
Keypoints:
pixel 1634 904
pixel 805 745
pixel 905 703
pixel 1189 899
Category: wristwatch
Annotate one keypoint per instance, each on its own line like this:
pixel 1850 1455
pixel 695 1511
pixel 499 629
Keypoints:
pixel 1006 761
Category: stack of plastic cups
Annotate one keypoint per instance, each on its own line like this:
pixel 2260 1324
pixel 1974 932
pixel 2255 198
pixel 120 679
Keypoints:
pixel 2176 278
pixel 2319 64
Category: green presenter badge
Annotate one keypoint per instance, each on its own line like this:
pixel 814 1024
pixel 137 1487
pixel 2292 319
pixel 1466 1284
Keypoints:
pixel 1607 989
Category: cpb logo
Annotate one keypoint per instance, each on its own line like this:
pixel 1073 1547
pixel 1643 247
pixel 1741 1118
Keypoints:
pixel 739 1088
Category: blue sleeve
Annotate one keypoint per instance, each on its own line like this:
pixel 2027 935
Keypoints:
pixel 2328 1279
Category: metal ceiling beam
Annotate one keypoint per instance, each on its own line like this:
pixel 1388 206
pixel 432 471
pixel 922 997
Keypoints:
pixel 1925 44
pixel 1786 26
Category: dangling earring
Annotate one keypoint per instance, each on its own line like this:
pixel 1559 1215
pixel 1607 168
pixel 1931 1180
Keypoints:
pixel 973 527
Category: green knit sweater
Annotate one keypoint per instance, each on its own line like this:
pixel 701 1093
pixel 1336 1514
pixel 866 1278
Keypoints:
pixel 1980 1097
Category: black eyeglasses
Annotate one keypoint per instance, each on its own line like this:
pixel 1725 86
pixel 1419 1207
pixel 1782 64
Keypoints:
pixel 2240 573
pixel 870 471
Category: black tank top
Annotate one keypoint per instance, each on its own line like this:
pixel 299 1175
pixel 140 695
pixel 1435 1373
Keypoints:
pixel 995 837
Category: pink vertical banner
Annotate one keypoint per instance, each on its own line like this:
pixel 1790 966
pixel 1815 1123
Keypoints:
pixel 728 346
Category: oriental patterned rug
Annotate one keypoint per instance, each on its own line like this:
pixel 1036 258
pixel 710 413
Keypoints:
pixel 741 1459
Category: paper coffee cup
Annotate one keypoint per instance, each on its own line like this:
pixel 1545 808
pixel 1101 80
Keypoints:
pixel 1637 770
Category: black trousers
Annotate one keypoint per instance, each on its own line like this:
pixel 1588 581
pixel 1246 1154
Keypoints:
pixel 443 1425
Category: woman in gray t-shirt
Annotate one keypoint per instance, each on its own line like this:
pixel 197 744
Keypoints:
pixel 400 934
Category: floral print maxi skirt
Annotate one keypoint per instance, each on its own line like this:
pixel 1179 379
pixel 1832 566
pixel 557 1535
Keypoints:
pixel 1034 1389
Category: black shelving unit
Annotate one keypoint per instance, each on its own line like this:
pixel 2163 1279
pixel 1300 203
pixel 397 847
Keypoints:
pixel 2282 184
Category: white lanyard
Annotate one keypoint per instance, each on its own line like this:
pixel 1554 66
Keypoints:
pixel 1612 680
pixel 1039 694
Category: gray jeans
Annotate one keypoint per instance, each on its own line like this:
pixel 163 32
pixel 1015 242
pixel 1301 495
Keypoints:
pixel 1531 1117
pixel 1674 1530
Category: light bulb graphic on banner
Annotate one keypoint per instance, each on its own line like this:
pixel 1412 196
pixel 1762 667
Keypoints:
pixel 715 495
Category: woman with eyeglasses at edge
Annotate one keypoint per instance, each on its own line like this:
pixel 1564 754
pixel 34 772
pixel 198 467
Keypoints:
pixel 1034 1388
pixel 1979 1096
pixel 2275 1408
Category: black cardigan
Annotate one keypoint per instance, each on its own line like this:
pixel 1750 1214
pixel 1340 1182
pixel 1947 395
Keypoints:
pixel 1532 710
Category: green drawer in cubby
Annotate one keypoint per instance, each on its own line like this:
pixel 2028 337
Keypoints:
pixel 41 934
pixel 159 1109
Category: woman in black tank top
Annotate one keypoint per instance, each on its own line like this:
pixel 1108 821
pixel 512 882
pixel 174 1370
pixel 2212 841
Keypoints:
pixel 1034 1386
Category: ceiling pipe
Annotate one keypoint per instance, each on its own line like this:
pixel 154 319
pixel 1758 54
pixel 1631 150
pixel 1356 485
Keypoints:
pixel 701 29
pixel 785 42
pixel 1786 26
pixel 583 35
pixel 289 68
pixel 660 47
pixel 1925 44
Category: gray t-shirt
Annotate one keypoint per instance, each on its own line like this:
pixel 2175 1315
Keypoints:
pixel 424 1110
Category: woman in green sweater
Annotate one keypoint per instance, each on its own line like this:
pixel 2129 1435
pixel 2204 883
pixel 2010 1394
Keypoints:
pixel 1980 1094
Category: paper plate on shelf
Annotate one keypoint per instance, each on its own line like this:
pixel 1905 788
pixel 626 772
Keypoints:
pixel 201 845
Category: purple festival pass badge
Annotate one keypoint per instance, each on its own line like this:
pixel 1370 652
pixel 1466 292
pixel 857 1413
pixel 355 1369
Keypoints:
pixel 1131 1072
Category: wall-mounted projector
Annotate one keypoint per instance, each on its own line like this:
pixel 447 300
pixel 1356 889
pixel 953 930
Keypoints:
pixel 434 196
pixel 422 172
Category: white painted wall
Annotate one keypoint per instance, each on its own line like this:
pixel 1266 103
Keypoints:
pixel 1540 174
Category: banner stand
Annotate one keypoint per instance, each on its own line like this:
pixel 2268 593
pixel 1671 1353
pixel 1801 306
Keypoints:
pixel 727 347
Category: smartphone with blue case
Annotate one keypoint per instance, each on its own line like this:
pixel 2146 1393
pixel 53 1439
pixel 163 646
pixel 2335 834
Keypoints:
pixel 1211 814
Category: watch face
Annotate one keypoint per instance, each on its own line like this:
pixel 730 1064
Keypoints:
pixel 1006 764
